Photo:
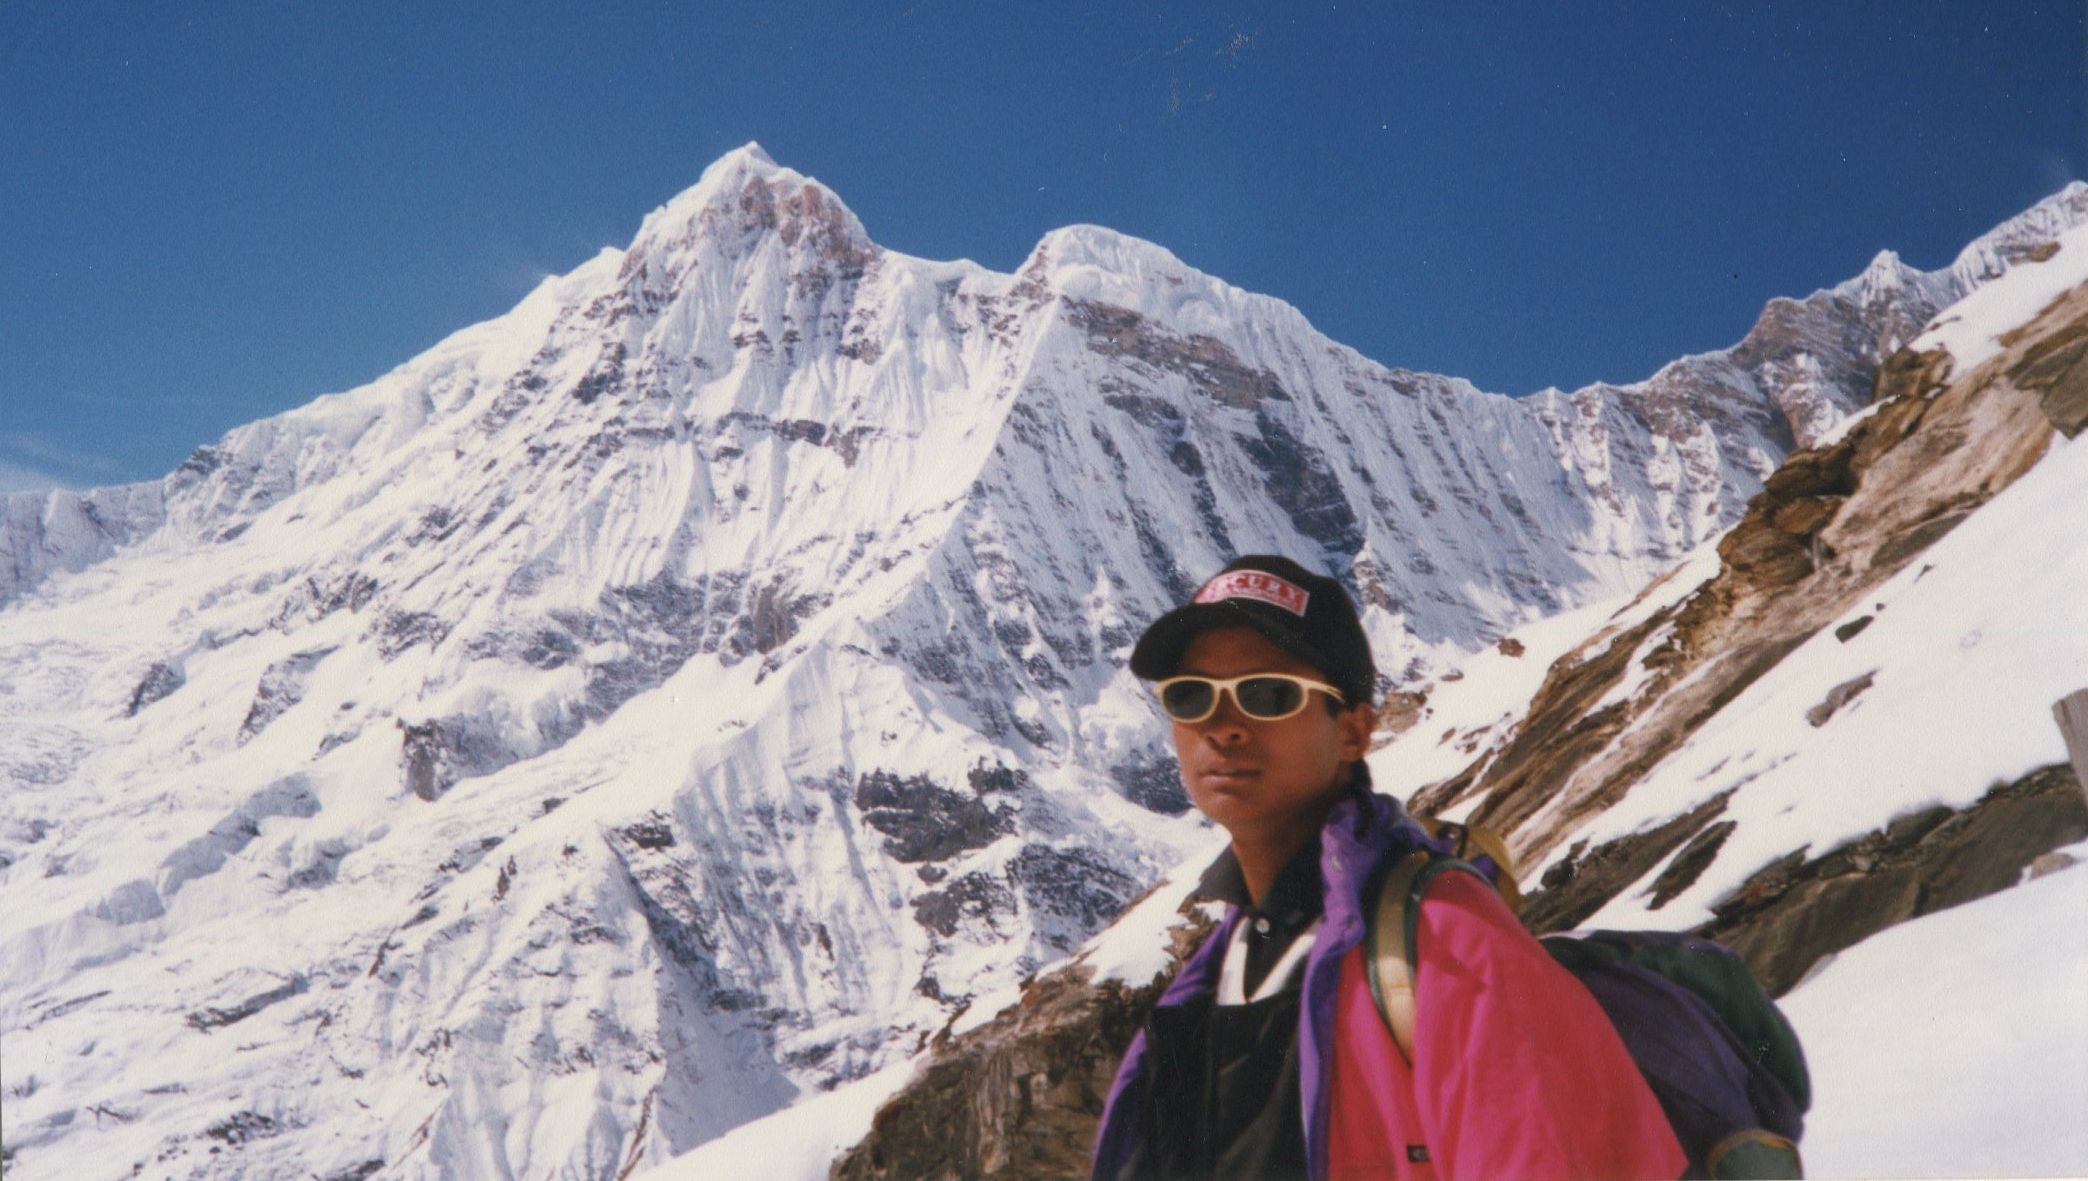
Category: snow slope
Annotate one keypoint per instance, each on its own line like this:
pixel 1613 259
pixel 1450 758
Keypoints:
pixel 1955 1045
pixel 1967 650
pixel 1971 330
pixel 1946 673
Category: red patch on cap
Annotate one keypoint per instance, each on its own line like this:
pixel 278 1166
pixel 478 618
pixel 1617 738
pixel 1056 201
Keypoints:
pixel 1257 585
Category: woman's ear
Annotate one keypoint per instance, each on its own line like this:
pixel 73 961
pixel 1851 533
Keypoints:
pixel 1355 725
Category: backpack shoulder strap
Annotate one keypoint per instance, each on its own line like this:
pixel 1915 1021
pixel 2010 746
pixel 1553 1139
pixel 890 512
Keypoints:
pixel 1389 938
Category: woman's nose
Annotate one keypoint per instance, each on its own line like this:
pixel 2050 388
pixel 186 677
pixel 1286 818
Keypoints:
pixel 1227 725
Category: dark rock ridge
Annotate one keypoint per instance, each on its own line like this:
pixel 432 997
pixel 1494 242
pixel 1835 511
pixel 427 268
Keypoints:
pixel 2054 366
pixel 1154 784
pixel 923 821
pixel 1805 906
pixel 436 753
pixel 1211 366
pixel 1070 893
pixel 1018 1096
pixel 282 686
pixel 159 682
pixel 215 1018
pixel 975 900
pixel 1796 912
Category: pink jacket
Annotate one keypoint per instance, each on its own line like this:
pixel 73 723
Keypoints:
pixel 1519 1073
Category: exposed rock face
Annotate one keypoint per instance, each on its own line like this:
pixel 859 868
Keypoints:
pixel 1576 886
pixel 160 680
pixel 1155 784
pixel 282 686
pixel 1838 697
pixel 1796 912
pixel 1807 906
pixel 1072 894
pixel 434 754
pixel 1019 1096
pixel 206 1019
pixel 1829 525
pixel 2055 367
pixel 923 821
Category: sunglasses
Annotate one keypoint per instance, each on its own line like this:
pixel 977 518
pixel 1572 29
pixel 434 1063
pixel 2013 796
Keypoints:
pixel 1264 697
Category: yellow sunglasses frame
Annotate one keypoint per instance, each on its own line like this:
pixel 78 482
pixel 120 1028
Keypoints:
pixel 1223 687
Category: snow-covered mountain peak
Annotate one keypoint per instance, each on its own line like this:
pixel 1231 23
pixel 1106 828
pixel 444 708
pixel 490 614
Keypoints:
pixel 724 177
pixel 1095 265
pixel 2028 236
pixel 740 201
pixel 1972 330
pixel 748 155
pixel 1076 256
pixel 1885 274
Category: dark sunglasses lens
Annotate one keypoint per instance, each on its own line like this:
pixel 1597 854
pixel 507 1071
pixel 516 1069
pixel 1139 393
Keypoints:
pixel 1268 697
pixel 1186 699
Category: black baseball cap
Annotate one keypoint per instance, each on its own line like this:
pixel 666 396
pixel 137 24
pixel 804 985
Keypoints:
pixel 1307 615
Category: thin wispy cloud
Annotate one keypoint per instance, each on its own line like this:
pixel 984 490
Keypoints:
pixel 16 478
pixel 31 461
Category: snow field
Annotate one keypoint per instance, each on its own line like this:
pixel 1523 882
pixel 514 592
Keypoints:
pixel 1968 648
pixel 1971 328
pixel 1955 1045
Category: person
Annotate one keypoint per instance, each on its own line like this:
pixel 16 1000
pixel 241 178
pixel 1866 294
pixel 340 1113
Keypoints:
pixel 1266 1056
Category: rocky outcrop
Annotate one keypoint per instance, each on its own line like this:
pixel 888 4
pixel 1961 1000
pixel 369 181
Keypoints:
pixel 1806 906
pixel 924 821
pixel 2054 366
pixel 206 1019
pixel 159 682
pixel 282 687
pixel 436 753
pixel 1020 1095
pixel 1829 525
pixel 1800 910
pixel 1577 885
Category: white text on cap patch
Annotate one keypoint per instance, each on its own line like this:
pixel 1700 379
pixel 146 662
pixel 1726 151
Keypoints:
pixel 1258 585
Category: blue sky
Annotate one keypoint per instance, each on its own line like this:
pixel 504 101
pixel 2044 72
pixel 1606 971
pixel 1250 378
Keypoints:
pixel 212 213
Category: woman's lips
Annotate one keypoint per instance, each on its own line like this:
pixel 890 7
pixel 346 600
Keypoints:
pixel 1229 776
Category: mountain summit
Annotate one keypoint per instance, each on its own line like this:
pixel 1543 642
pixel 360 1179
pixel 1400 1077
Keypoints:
pixel 690 689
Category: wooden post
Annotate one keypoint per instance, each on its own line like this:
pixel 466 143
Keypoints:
pixel 2072 713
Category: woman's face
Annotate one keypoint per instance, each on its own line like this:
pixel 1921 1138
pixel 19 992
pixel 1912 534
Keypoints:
pixel 1258 777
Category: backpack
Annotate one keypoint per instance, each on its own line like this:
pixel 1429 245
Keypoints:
pixel 1718 1055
